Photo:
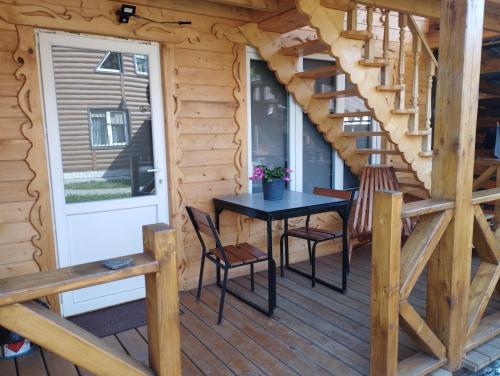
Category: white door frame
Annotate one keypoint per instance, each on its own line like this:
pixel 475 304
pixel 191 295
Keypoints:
pixel 48 39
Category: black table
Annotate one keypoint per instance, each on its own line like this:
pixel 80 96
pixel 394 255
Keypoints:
pixel 294 204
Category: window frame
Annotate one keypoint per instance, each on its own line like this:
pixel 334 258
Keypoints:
pixel 137 71
pixel 109 128
pixel 99 68
pixel 295 131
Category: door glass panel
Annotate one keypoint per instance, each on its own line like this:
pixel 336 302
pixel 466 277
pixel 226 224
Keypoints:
pixel 104 115
pixel 317 159
pixel 269 108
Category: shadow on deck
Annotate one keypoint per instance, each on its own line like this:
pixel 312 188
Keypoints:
pixel 314 331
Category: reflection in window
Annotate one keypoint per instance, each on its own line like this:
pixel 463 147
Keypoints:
pixel 269 111
pixel 110 63
pixel 109 128
pixel 141 65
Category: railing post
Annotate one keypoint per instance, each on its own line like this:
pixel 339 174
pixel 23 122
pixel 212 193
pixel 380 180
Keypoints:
pixel 427 141
pixel 385 46
pixel 370 43
pixel 352 18
pixel 403 22
pixel 386 249
pixel 162 299
pixel 497 207
pixel 417 49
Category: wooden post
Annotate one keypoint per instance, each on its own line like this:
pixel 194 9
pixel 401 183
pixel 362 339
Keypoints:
pixel 352 18
pixel 497 206
pixel 460 40
pixel 386 249
pixel 162 299
pixel 385 44
pixel 417 49
pixel 370 43
pixel 431 71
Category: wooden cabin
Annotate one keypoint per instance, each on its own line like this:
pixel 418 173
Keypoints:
pixel 115 116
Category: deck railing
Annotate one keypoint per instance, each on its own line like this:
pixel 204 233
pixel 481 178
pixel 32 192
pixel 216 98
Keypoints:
pixel 396 269
pixel 21 314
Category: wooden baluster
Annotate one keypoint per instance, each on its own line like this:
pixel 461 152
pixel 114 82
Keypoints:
pixel 386 245
pixel 385 46
pixel 431 71
pixel 162 299
pixel 403 22
pixel 497 208
pixel 417 49
pixel 370 43
pixel 352 18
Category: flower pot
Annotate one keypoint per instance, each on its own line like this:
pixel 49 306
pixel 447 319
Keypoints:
pixel 273 191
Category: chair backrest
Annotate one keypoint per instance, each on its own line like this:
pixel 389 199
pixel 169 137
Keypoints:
pixel 373 178
pixel 337 193
pixel 202 223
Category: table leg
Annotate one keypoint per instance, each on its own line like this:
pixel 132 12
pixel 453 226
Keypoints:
pixel 271 271
pixel 217 215
pixel 345 248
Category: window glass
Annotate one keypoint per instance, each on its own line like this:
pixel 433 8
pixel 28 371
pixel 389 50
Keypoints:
pixel 317 158
pixel 269 110
pixel 141 65
pixel 108 128
pixel 111 62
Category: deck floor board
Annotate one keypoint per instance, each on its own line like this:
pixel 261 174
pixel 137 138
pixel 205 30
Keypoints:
pixel 314 331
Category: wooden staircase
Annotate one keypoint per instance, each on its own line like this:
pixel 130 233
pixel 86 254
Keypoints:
pixel 369 66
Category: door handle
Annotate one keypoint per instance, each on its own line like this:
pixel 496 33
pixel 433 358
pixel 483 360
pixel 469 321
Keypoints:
pixel 153 170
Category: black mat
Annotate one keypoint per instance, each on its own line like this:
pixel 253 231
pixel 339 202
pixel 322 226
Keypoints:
pixel 107 321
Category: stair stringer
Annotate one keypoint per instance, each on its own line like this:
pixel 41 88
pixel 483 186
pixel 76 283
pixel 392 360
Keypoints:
pixel 268 44
pixel 328 24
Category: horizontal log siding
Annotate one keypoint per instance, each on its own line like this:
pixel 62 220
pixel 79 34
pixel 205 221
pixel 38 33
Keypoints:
pixel 16 250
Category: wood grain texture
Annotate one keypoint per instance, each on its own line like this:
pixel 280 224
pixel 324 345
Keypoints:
pixel 385 282
pixel 453 160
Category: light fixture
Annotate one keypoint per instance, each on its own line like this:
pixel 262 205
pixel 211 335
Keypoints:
pixel 125 12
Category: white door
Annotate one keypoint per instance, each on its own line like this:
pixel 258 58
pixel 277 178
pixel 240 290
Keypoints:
pixel 106 146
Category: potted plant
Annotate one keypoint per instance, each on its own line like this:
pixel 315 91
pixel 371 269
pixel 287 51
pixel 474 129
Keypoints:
pixel 273 180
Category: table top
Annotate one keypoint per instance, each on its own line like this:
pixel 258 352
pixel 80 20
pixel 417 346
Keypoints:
pixel 292 204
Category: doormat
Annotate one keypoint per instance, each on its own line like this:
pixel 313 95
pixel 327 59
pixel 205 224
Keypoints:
pixel 111 320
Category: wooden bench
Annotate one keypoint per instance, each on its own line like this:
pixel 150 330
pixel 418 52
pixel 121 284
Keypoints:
pixel 21 314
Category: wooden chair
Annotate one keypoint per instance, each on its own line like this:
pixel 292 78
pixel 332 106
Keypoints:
pixel 313 235
pixel 224 257
pixel 373 178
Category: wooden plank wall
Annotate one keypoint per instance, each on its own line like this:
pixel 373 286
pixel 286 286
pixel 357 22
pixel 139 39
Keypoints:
pixel 16 249
pixel 204 80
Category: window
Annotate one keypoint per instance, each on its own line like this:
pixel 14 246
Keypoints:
pixel 269 112
pixel 280 133
pixel 110 63
pixel 141 65
pixel 108 128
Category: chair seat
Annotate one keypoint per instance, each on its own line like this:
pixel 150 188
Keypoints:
pixel 242 253
pixel 314 234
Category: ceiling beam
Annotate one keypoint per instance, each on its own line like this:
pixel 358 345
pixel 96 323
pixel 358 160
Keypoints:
pixel 424 8
pixel 264 5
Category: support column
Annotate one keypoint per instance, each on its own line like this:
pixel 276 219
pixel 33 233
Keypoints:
pixel 460 43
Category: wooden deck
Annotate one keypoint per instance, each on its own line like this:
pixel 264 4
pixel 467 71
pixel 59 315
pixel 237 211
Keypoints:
pixel 314 331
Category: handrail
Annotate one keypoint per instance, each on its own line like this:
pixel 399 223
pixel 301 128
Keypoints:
pixel 487 195
pixel 417 32
pixel 433 205
pixel 35 285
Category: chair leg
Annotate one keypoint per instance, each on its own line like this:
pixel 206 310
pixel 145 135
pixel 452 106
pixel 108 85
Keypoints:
pixel 313 265
pixel 282 258
pixel 309 251
pixel 222 296
pixel 217 271
pixel 200 280
pixel 252 279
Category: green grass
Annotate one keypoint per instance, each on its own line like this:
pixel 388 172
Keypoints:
pixel 87 198
pixel 99 184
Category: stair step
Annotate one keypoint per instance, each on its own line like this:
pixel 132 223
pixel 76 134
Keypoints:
pixel 357 34
pixel 390 88
pixel 289 20
pixel 378 151
pixel 410 184
pixel 404 170
pixel 404 111
pixel 374 63
pixel 353 92
pixel 322 72
pixel 363 134
pixel 306 48
pixel 425 154
pixel 351 114
pixel 421 132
